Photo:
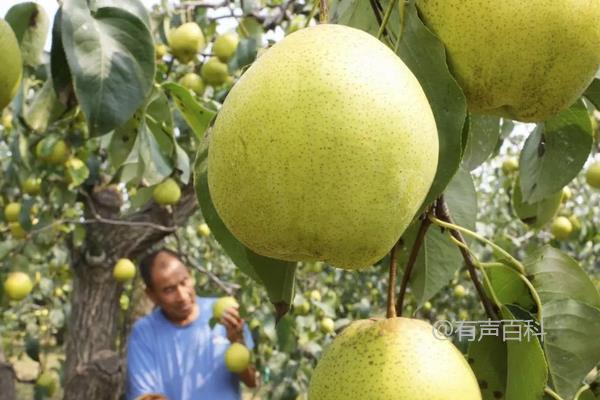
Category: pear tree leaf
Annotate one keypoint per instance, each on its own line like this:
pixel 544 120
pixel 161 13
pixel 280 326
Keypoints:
pixel 59 67
pixel 157 165
pixel 592 93
pixel 277 276
pixel 244 55
pixel 556 276
pixel 555 152
pixel 123 140
pixel 508 287
pixel 488 359
pixel 30 24
pixel 182 163
pixel 586 395
pixel 110 53
pixel 527 371
pixel 439 258
pixel 32 348
pixel 571 344
pixel 135 7
pixel 197 116
pixel 484 132
pixel 44 109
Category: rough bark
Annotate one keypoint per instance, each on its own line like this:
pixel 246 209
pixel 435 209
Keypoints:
pixel 94 367
pixel 7 379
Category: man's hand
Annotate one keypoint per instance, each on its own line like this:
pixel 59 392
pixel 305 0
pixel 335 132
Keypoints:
pixel 233 325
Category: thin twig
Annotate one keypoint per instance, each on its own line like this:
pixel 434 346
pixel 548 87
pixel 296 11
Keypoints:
pixel 425 223
pixel 552 393
pixel 323 11
pixel 443 213
pixel 391 306
pixel 386 18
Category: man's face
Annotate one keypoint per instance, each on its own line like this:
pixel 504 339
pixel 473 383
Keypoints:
pixel 173 287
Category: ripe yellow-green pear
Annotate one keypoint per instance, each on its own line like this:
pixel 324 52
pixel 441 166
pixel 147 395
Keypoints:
pixel 58 154
pixel 327 326
pixel 193 82
pixel 459 291
pixel 303 308
pixel 7 119
pixel 160 50
pixel 203 230
pixel 12 64
pixel 17 230
pixel 123 270
pixel 214 72
pixel 315 295
pixel 396 358
pixel 323 150
pixel 561 228
pixel 12 211
pixel 536 214
pixel 225 46
pixel 32 186
pixel 523 60
pixel 575 222
pixel 167 192
pixel 222 304
pixel 426 306
pixel 592 175
pixel 48 382
pixel 17 285
pixel 510 165
pixel 186 41
pixel 237 358
pixel 566 194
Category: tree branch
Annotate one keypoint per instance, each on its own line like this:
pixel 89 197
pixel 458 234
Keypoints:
pixel 443 213
pixel 425 223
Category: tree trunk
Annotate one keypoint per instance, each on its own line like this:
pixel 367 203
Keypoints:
pixel 94 368
pixel 7 379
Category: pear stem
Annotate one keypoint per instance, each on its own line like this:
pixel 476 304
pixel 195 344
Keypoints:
pixel 391 306
pixel 552 393
pixel 425 224
pixel 386 18
pixel 323 11
pixel 443 213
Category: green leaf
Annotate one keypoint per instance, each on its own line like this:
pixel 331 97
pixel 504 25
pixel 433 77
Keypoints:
pixel 526 366
pixel 593 93
pixel 111 56
pixel 439 258
pixel 286 334
pixel 30 23
pixel 142 196
pixel 123 140
pixel 484 133
pixel 77 173
pixel 135 7
pixel 157 165
pixel 32 348
pixel 59 67
pixel 556 276
pixel 508 286
pixel 277 276
pixel 488 359
pixel 535 214
pixel 424 54
pixel 44 109
pixel 196 116
pixel 182 163
pixel 555 152
pixel 586 395
pixel 571 343
pixel 244 55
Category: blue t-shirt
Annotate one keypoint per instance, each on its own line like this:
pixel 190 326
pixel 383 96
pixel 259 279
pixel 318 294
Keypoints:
pixel 181 362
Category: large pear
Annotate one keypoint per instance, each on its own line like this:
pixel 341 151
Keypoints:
pixel 324 149
pixel 524 60
pixel 392 359
pixel 12 64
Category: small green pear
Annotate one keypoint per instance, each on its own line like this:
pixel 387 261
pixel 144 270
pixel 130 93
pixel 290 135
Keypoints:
pixel 561 228
pixel 193 82
pixel 222 304
pixel 237 358
pixel 327 326
pixel 186 41
pixel 592 175
pixel 225 46
pixel 17 285
pixel 395 358
pixel 167 192
pixel 214 72
pixel 510 165
pixel 12 211
pixel 124 270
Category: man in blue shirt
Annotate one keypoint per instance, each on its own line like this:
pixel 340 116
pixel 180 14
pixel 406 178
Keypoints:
pixel 173 351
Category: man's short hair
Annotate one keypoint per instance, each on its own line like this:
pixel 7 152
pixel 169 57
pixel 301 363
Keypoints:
pixel 147 264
